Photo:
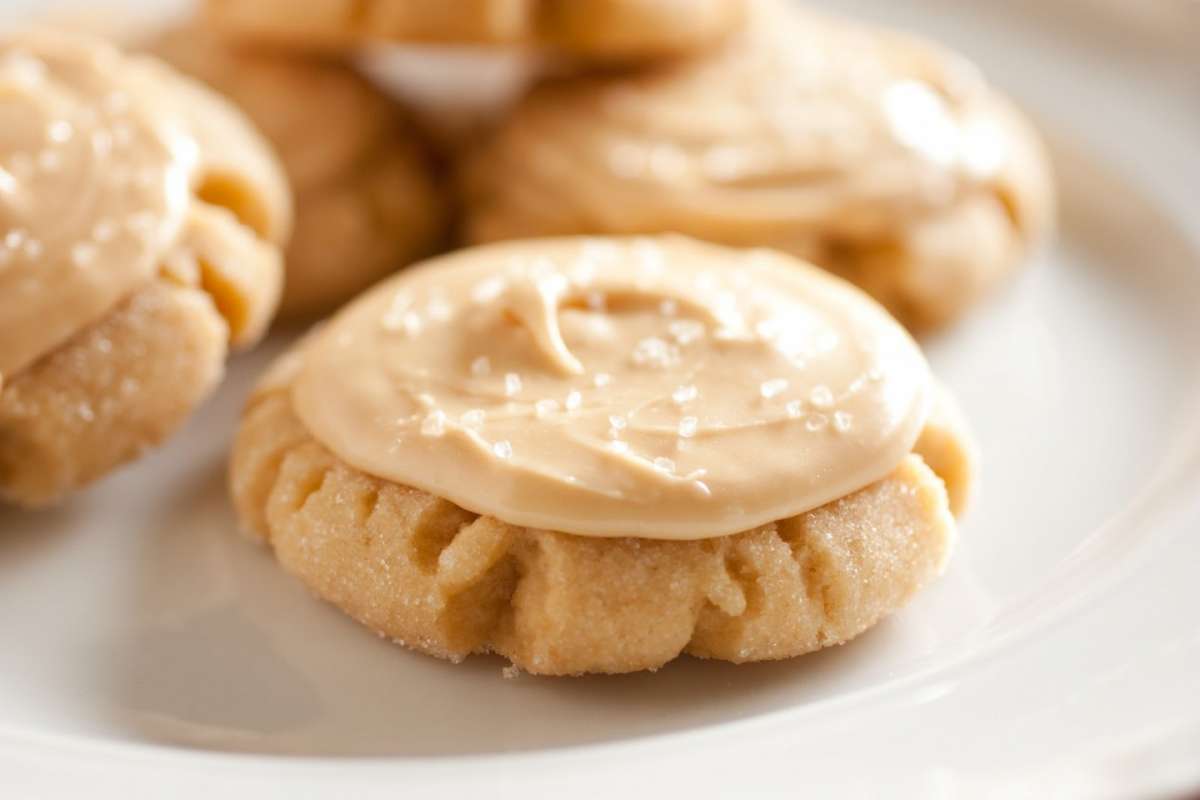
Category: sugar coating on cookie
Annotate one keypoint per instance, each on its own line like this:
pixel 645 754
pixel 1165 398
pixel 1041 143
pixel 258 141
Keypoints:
pixel 366 199
pixel 612 30
pixel 555 345
pixel 881 157
pixel 118 181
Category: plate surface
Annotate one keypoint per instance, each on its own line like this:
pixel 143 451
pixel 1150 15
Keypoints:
pixel 149 646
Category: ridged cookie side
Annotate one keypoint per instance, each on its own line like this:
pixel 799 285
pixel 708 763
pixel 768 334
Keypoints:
pixel 420 570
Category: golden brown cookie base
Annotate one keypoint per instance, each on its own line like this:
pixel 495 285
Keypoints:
pixel 947 447
pixel 932 273
pixel 383 214
pixel 444 581
pixel 112 391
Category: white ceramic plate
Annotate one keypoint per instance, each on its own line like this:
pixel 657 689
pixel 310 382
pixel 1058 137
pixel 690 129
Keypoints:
pixel 148 649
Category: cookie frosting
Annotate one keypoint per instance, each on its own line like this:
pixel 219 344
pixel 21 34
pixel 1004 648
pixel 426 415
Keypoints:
pixel 99 157
pixel 658 388
pixel 804 133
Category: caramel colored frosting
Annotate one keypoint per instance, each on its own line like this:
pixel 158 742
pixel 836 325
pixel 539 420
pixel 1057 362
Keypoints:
pixel 846 145
pixel 799 119
pixel 111 168
pixel 651 387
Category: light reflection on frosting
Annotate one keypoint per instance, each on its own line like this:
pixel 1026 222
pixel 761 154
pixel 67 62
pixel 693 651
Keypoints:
pixel 723 389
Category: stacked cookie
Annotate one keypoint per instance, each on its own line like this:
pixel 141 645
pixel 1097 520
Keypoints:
pixel 591 448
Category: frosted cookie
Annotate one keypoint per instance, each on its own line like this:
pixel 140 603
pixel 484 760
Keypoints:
pixel 614 30
pixel 365 194
pixel 594 455
pixel 883 158
pixel 142 218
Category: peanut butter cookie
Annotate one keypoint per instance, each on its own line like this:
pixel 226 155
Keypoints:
pixel 883 158
pixel 142 220
pixel 593 455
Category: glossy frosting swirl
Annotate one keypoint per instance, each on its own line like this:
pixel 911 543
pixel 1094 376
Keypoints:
pixel 659 388
pixel 101 160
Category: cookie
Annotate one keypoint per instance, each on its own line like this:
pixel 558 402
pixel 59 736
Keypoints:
pixel 607 30
pixel 366 198
pixel 143 220
pixel 886 159
pixel 593 455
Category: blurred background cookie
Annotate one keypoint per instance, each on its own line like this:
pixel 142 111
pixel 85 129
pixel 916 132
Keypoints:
pixel 143 218
pixel 884 158
pixel 366 196
pixel 613 30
